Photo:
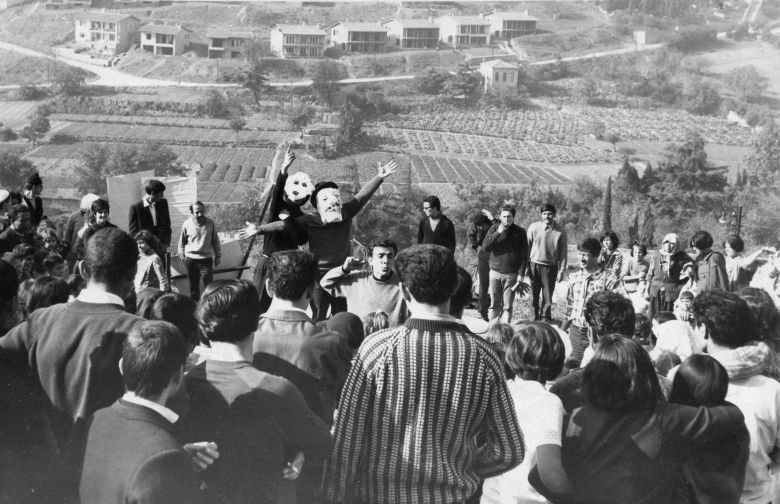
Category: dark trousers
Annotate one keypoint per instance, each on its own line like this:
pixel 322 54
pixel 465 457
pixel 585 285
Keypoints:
pixel 197 269
pixel 579 341
pixel 483 270
pixel 261 274
pixel 543 281
pixel 321 301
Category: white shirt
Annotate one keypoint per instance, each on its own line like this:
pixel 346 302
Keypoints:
pixel 159 408
pixel 98 296
pixel 540 415
pixel 148 203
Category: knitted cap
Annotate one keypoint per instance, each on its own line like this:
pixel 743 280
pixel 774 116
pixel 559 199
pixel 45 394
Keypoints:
pixel 320 186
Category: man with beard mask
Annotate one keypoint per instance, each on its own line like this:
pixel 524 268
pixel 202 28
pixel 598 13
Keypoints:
pixel 290 193
pixel 329 231
pixel 369 291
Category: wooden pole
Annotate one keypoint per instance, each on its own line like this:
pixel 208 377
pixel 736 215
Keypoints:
pixel 739 220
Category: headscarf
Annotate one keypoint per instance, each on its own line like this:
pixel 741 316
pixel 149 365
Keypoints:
pixel 672 238
pixel 86 202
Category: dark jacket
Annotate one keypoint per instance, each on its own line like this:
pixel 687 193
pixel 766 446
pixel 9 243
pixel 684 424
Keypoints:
pixel 711 272
pixel 508 249
pixel 9 239
pixel 141 218
pixel 443 235
pixel 476 235
pixel 673 283
pixel 133 456
pixel 314 359
pixel 294 234
pixel 36 209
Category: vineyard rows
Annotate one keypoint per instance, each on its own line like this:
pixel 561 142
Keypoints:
pixel 430 169
pixel 183 122
pixel 226 165
pixel 492 147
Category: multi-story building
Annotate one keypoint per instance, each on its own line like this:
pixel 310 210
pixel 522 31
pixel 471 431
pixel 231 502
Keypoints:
pixel 106 32
pixel 412 33
pixel 164 40
pixel 226 43
pixel 509 25
pixel 359 37
pixel 499 74
pixel 464 30
pixel 298 41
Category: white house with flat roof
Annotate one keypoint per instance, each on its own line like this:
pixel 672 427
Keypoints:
pixel 362 38
pixel 105 31
pixel 165 40
pixel 298 41
pixel 412 33
pixel 228 43
pixel 463 30
pixel 509 25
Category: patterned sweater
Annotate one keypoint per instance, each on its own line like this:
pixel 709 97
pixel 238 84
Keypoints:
pixel 425 415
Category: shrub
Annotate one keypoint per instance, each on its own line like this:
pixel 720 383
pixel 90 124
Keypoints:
pixel 30 92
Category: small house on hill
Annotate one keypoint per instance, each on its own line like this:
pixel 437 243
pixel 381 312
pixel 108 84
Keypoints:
pixel 499 74
pixel 106 32
pixel 298 41
pixel 227 43
pixel 464 30
pixel 412 33
pixel 364 38
pixel 509 25
pixel 164 40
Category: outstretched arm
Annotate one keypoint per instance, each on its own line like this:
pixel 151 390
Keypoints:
pixel 372 185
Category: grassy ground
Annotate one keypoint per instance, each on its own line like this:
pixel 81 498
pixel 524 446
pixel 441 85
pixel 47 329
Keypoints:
pixel 32 26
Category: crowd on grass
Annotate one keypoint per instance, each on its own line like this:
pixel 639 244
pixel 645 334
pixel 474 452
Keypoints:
pixel 333 378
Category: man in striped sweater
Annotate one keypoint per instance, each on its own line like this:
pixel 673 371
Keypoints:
pixel 425 414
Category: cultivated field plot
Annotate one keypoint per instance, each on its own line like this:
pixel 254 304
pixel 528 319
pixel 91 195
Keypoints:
pixel 173 135
pixel 428 169
pixel 492 147
pixel 254 122
pixel 13 114
pixel 226 165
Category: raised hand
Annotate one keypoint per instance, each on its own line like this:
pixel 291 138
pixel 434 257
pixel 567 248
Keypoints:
pixel 203 454
pixel 352 264
pixel 388 169
pixel 487 214
pixel 289 157
pixel 249 231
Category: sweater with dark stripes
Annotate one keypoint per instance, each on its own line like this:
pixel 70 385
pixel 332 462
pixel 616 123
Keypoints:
pixel 424 416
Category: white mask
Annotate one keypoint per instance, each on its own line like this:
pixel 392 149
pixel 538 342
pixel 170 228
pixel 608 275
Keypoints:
pixel 329 205
pixel 298 188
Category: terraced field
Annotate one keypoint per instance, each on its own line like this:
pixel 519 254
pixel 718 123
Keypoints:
pixel 452 170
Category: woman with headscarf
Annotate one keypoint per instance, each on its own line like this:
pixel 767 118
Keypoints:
pixel 666 280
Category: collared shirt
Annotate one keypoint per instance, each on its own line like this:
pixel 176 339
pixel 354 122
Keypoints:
pixel 96 296
pixel 158 408
pixel 152 208
pixel 582 285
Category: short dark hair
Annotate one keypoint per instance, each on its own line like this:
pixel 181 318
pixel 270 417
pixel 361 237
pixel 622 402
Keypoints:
pixel 462 296
pixel 99 205
pixel 613 238
pixel 197 203
pixel 51 260
pixel 510 209
pixel 429 272
pixel 610 313
pixel 735 242
pixel 154 186
pixel 153 353
pixel 590 245
pixel 764 313
pixel 319 186
pixel 641 246
pixel 664 316
pixel 15 210
pixel 643 329
pixel 15 197
pixel 291 273
pixel 32 181
pixel 536 352
pixel 700 381
pixel 149 238
pixel 621 376
pixel 46 291
pixel 383 243
pixel 433 201
pixel 548 207
pixel 726 316
pixel 228 311
pixel 480 219
pixel 179 310
pixel 111 256
pixel 702 240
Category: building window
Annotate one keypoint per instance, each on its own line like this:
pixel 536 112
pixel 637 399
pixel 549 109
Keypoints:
pixel 111 37
pixel 503 76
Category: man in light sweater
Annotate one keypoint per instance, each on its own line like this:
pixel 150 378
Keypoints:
pixel 547 249
pixel 369 291
pixel 199 248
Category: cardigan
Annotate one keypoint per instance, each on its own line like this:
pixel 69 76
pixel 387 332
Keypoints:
pixel 443 235
pixel 424 417
pixel 134 456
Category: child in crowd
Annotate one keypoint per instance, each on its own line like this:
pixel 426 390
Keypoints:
pixel 534 355
pixel 715 474
pixel 499 335
pixel 150 272
pixel 55 266
pixel 682 307
pixel 643 332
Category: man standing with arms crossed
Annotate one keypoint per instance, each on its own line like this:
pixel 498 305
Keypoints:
pixel 547 244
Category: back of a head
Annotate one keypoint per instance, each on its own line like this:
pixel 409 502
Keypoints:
pixel 179 310
pixel 228 311
pixel 349 326
pixel 144 300
pixel 700 381
pixel 610 313
pixel 111 256
pixel 726 316
pixel 153 353
pixel 663 316
pixel 375 321
pixel 46 291
pixel 291 273
pixel 535 352
pixel 702 240
pixel 620 376
pixel 480 219
pixel 429 272
pixel 460 300
pixel 764 312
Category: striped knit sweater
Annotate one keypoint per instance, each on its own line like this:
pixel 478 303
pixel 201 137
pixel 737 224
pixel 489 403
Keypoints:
pixel 424 416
